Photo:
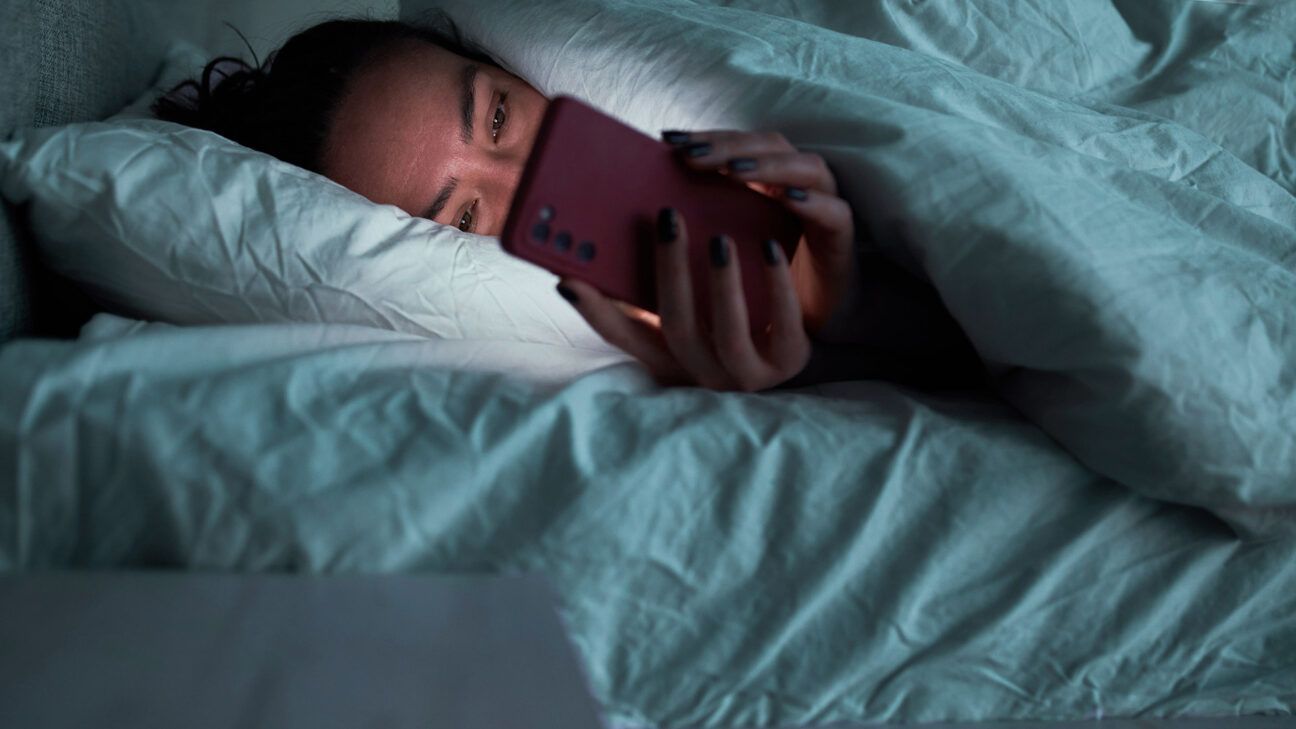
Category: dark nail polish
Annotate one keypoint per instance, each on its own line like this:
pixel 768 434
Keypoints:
pixel 568 294
pixel 675 137
pixel 771 247
pixel 667 227
pixel 719 252
pixel 742 164
pixel 698 149
pixel 795 193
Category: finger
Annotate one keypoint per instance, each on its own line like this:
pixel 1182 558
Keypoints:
pixel 629 335
pixel 787 348
pixel 675 304
pixel 709 149
pixel 783 169
pixel 823 266
pixel 829 227
pixel 730 330
pixel 641 315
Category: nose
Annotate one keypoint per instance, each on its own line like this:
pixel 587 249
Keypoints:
pixel 504 173
pixel 512 173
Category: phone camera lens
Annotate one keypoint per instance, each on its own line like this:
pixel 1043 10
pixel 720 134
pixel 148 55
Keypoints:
pixel 585 251
pixel 546 213
pixel 563 240
pixel 540 231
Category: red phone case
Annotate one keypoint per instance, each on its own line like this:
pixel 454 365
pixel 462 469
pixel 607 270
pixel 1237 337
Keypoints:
pixel 587 203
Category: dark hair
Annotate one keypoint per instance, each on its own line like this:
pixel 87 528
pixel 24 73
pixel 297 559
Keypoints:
pixel 284 106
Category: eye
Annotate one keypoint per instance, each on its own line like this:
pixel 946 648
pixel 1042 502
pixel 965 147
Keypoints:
pixel 501 116
pixel 466 220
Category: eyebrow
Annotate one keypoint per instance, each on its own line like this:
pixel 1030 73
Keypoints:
pixel 442 198
pixel 467 101
pixel 467 111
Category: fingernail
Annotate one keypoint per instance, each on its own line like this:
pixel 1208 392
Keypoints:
pixel 742 164
pixel 771 251
pixel 667 228
pixel 697 149
pixel 719 252
pixel 675 137
pixel 568 294
pixel 795 193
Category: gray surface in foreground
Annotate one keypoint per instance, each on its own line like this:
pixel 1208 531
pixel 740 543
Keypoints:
pixel 462 651
pixel 200 651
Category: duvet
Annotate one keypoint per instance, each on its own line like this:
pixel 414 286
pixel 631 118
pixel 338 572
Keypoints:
pixel 855 551
pixel 1107 532
pixel 1131 280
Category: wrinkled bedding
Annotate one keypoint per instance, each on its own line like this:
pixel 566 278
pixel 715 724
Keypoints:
pixel 1131 281
pixel 854 551
pixel 1108 533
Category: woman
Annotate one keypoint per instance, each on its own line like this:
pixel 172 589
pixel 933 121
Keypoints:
pixel 413 117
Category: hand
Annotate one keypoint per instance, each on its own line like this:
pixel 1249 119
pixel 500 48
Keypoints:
pixel 718 351
pixel 825 258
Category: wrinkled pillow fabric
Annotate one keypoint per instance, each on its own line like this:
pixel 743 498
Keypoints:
pixel 164 222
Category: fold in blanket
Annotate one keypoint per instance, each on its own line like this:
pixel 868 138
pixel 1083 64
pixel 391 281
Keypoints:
pixel 1131 281
pixel 864 554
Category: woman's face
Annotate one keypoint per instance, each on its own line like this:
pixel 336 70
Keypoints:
pixel 435 134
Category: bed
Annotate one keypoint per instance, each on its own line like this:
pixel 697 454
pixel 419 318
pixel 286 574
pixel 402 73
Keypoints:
pixel 855 552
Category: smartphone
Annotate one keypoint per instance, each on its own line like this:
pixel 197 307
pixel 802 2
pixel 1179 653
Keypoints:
pixel 587 203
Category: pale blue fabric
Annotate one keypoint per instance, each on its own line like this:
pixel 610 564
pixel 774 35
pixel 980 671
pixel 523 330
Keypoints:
pixel 1129 278
pixel 724 560
pixel 754 560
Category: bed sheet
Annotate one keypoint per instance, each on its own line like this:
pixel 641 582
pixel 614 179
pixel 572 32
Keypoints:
pixel 851 552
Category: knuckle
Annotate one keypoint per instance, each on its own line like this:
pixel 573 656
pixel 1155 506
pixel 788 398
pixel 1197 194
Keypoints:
pixel 679 338
pixel 832 175
pixel 776 139
pixel 839 212
pixel 791 354
pixel 797 358
pixel 732 349
pixel 677 315
pixel 753 380
pixel 802 355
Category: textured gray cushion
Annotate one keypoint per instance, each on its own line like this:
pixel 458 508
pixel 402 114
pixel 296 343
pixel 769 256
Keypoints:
pixel 62 61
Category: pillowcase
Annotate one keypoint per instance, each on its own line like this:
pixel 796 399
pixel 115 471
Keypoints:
pixel 161 221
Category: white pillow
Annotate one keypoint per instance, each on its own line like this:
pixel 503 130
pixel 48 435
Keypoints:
pixel 160 221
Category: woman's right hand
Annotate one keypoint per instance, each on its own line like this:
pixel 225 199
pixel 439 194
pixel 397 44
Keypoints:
pixel 824 261
pixel 716 350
